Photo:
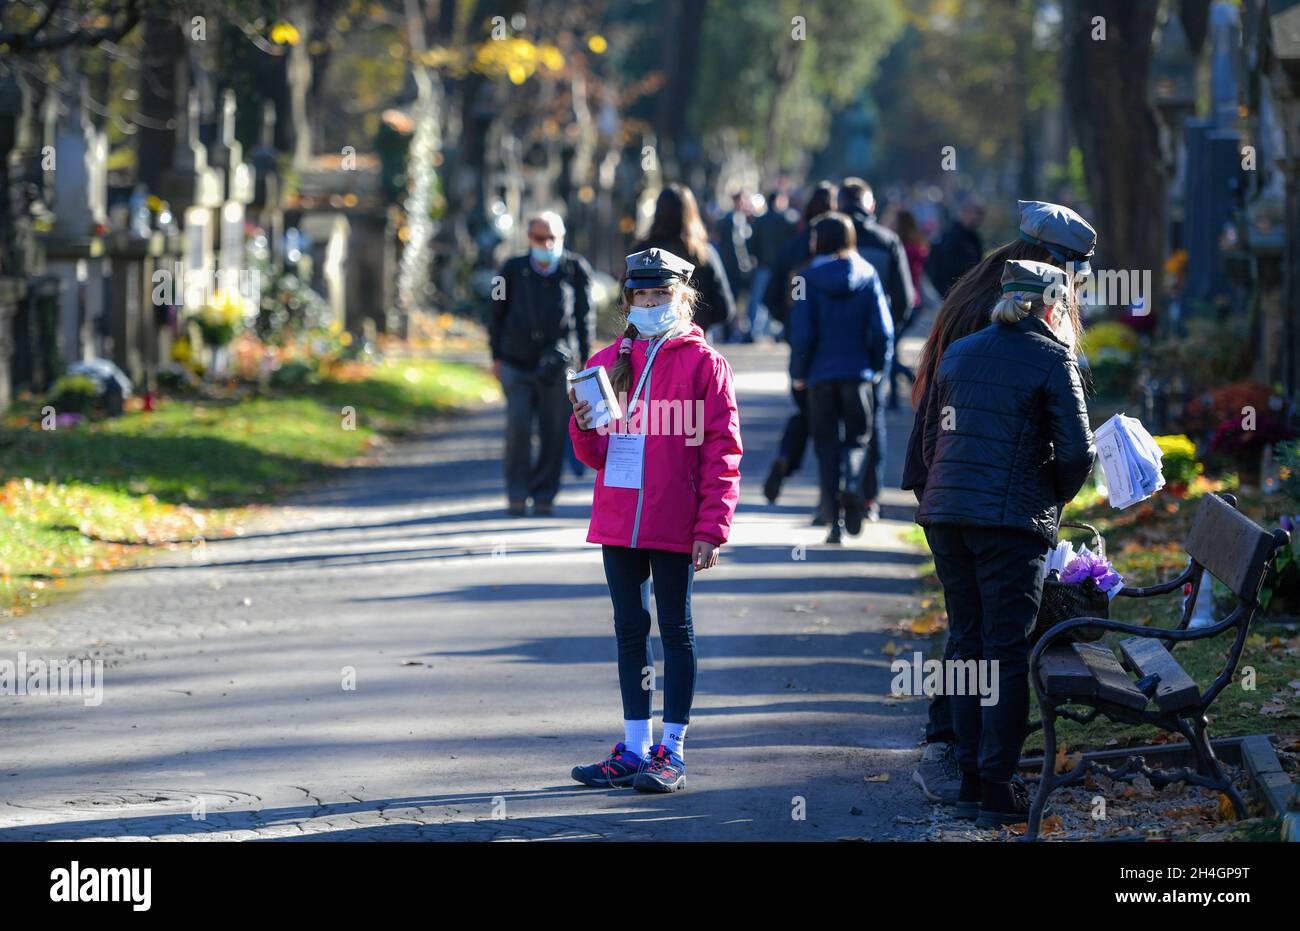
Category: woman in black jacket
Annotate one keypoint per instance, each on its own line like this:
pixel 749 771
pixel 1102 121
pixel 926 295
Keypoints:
pixel 677 228
pixel 1007 444
pixel 1049 233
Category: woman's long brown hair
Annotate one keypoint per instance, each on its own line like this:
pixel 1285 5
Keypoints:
pixel 966 308
pixel 677 219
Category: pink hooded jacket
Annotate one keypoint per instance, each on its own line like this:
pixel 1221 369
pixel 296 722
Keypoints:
pixel 691 482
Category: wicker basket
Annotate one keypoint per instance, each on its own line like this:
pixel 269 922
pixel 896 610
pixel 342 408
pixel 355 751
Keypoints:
pixel 1065 600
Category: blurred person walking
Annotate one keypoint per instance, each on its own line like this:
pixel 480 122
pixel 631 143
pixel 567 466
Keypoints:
pixel 771 229
pixel 960 248
pixel 793 256
pixel 678 229
pixel 880 246
pixel 734 232
pixel 917 248
pixel 841 343
pixel 542 324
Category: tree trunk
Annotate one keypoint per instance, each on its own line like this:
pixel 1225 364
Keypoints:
pixel 1028 117
pixel 787 64
pixel 159 104
pixel 682 24
pixel 299 74
pixel 1107 93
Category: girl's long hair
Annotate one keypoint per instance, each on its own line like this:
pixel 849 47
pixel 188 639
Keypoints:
pixel 677 219
pixel 908 229
pixel 686 297
pixel 820 200
pixel 966 308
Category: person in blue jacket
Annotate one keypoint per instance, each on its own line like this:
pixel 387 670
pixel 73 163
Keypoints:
pixel 841 346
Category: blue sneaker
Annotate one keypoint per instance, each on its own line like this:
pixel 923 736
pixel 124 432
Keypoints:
pixel 617 769
pixel 664 772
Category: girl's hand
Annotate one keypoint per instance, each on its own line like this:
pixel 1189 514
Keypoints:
pixel 581 411
pixel 704 555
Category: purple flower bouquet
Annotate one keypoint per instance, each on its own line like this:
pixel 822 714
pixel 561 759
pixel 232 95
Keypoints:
pixel 1090 566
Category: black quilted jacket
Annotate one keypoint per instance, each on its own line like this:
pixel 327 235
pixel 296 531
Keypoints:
pixel 1007 440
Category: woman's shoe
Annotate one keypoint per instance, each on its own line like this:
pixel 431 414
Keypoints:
pixel 837 532
pixel 616 770
pixel 665 771
pixel 1003 804
pixel 968 797
pixel 938 774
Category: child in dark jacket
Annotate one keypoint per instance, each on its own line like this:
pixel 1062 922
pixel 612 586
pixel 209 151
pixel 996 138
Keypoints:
pixel 841 345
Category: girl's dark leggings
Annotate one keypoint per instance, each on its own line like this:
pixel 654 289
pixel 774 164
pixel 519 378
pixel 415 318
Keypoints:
pixel 629 572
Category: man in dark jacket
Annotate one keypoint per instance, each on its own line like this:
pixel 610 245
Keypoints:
pixel 1007 444
pixel 880 246
pixel 959 249
pixel 734 232
pixel 541 324
pixel 771 230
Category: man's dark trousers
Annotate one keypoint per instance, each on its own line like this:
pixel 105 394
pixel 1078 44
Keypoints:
pixel 795 438
pixel 873 476
pixel 992 583
pixel 540 400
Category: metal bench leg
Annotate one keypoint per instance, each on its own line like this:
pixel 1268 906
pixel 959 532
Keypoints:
pixel 1208 765
pixel 1047 781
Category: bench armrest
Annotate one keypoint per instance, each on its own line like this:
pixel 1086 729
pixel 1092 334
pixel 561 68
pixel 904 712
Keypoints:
pixel 1161 588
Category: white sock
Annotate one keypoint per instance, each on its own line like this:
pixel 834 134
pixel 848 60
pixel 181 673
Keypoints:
pixel 637 736
pixel 675 739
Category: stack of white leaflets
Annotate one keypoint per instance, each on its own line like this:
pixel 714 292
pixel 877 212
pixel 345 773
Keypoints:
pixel 1131 460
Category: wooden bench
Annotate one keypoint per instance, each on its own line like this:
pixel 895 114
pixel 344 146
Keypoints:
pixel 1145 684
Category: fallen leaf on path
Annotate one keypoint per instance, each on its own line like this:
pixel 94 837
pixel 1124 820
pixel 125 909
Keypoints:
pixel 880 777
pixel 1226 810
pixel 1067 761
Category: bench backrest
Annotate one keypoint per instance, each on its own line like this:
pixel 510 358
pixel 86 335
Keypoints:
pixel 1232 547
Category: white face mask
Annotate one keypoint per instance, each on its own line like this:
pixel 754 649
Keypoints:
pixel 651 321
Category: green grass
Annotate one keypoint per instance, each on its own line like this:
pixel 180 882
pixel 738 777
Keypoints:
pixel 87 498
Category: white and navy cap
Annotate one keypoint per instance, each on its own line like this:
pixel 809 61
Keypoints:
pixel 654 268
pixel 1059 230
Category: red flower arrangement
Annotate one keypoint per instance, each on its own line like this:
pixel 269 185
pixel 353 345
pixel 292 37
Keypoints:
pixel 1230 439
pixel 1226 404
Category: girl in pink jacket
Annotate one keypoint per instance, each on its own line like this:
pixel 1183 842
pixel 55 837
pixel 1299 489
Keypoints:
pixel 667 483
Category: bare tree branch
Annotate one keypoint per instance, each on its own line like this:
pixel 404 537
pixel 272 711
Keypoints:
pixel 32 42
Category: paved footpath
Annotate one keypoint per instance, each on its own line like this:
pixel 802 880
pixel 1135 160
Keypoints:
pixel 483 659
